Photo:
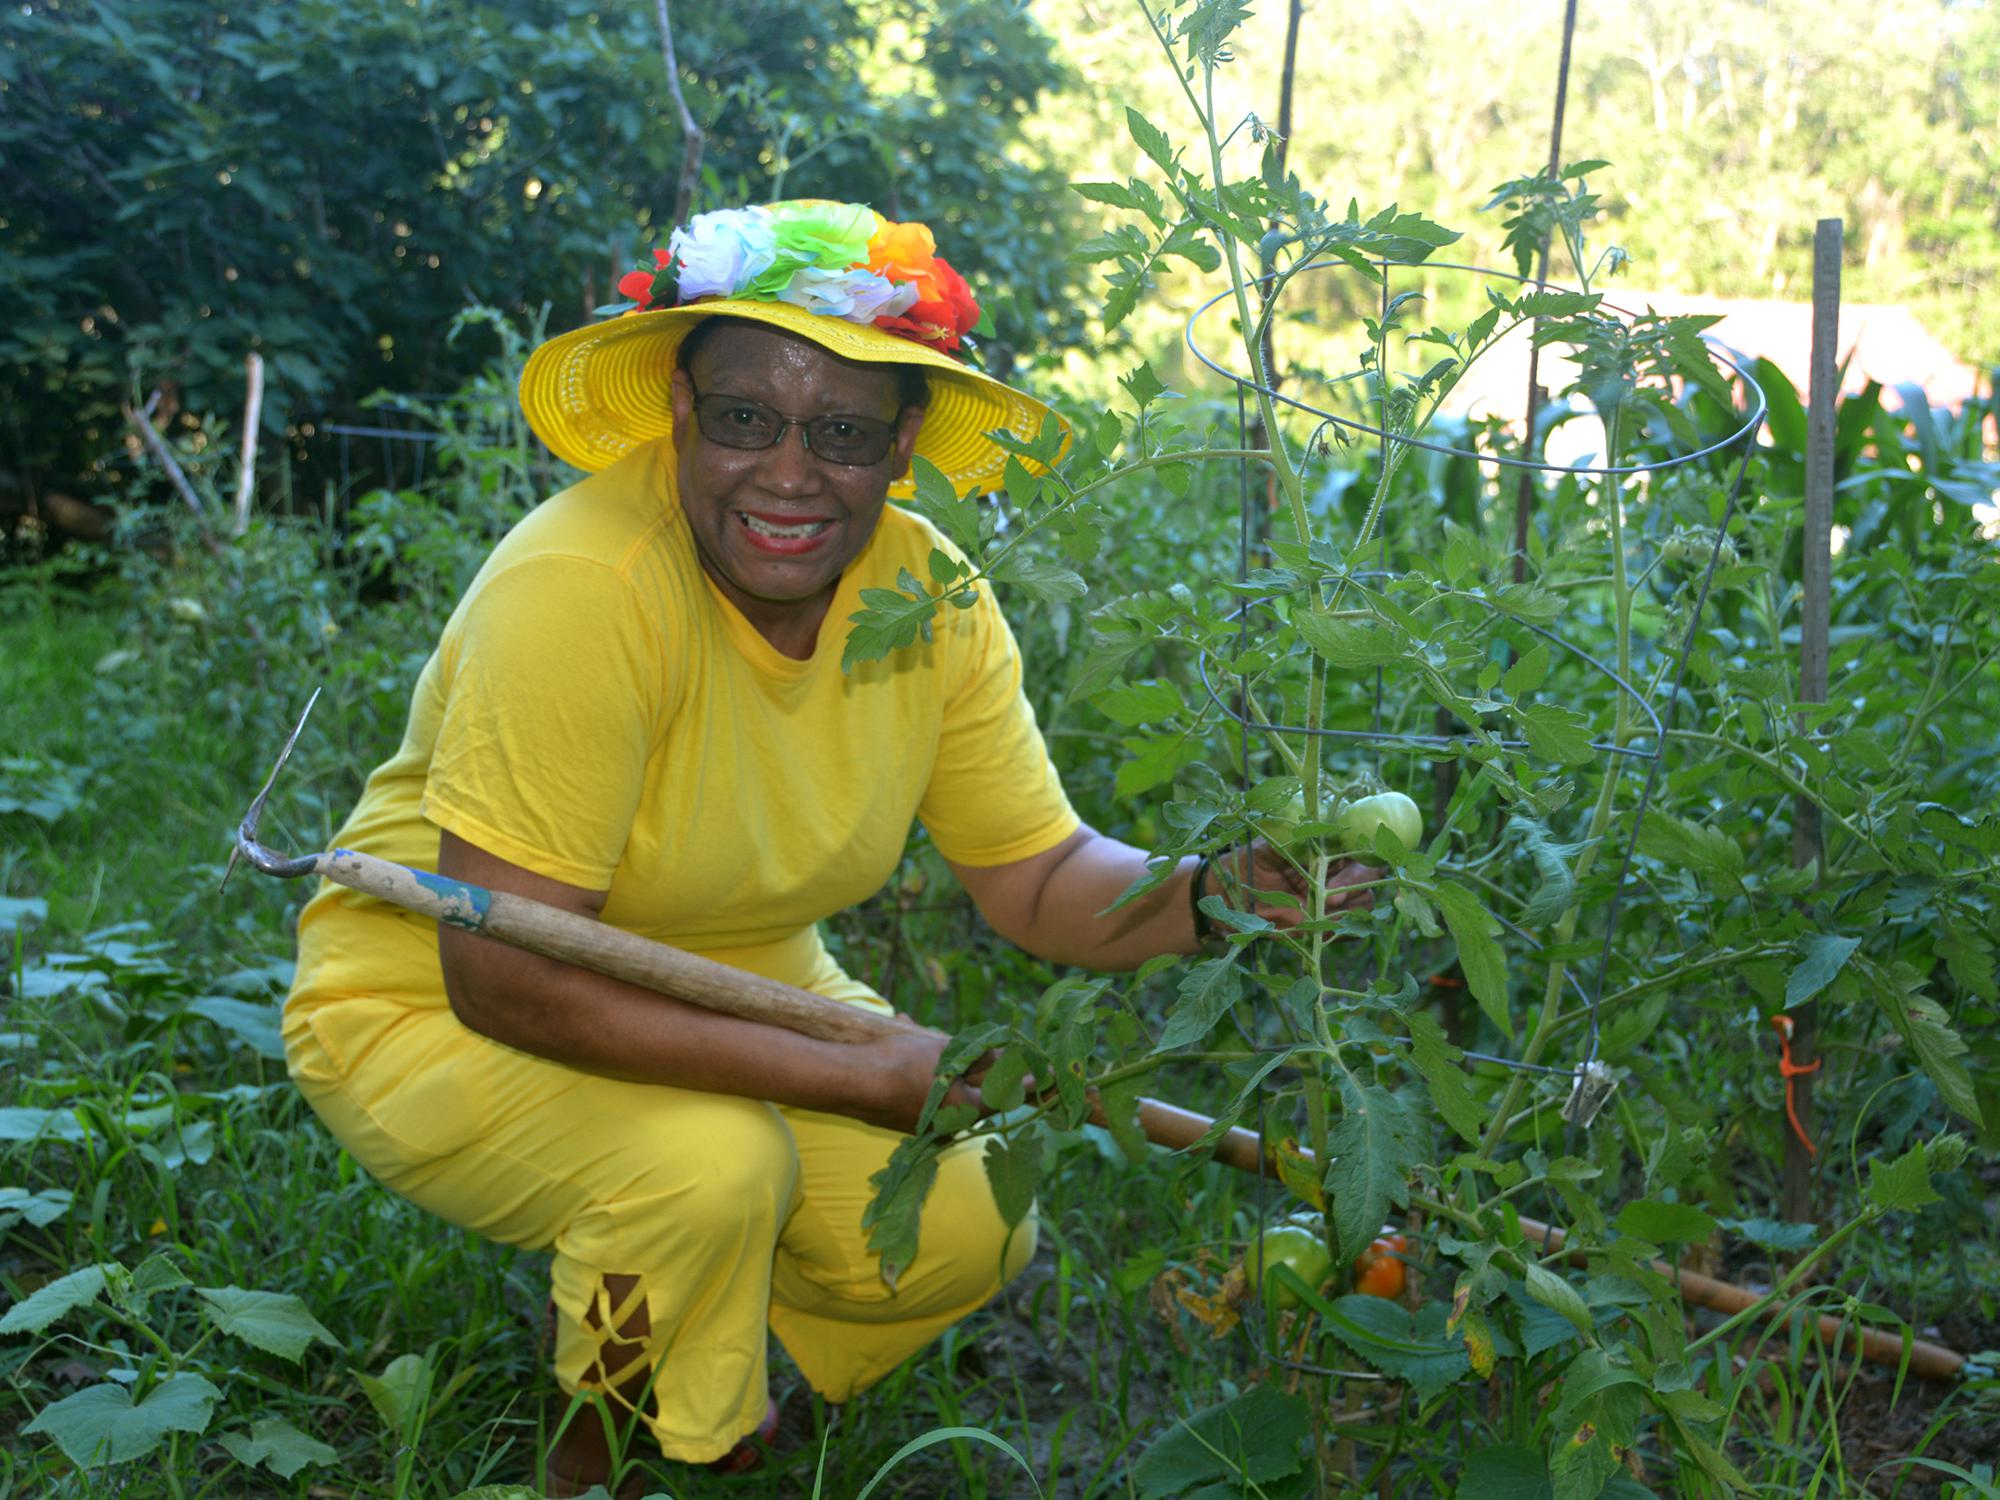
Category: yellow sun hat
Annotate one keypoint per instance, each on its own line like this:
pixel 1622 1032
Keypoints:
pixel 858 285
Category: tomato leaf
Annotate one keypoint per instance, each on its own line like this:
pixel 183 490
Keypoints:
pixel 1665 1223
pixel 1690 846
pixel 1014 1167
pixel 1556 1294
pixel 1821 956
pixel 1207 992
pixel 1040 579
pixel 1968 954
pixel 1558 887
pixel 938 501
pixel 1529 672
pixel 1506 1473
pixel 1554 732
pixel 1926 1031
pixel 1375 1148
pixel 1121 1117
pixel 1413 1348
pixel 1352 643
pixel 1150 139
pixel 1136 703
pixel 1451 1090
pixel 894 1214
pixel 1473 928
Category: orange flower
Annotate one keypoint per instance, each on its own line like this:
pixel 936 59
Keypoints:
pixel 905 252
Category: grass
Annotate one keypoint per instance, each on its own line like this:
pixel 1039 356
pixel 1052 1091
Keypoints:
pixel 143 711
pixel 239 1185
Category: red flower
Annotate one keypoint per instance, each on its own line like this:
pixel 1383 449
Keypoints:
pixel 940 324
pixel 638 285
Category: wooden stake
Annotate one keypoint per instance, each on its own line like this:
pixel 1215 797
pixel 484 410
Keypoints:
pixel 141 422
pixel 253 413
pixel 1796 1192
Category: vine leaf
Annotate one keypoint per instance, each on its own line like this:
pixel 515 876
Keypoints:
pixel 103 1425
pixel 277 1445
pixel 45 1304
pixel 275 1322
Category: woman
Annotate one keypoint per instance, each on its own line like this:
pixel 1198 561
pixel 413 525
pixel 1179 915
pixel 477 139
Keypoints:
pixel 637 713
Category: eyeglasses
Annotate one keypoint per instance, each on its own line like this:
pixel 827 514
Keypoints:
pixel 736 422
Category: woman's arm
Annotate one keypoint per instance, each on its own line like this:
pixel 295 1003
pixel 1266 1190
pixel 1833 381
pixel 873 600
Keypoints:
pixel 1050 903
pixel 570 1015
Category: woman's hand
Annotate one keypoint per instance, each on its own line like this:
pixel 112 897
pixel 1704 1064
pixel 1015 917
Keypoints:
pixel 900 1071
pixel 1266 870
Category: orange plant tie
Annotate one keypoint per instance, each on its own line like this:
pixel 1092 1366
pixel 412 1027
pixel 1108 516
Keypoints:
pixel 1791 1070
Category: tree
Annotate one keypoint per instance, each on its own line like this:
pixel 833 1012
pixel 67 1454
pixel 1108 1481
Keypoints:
pixel 328 183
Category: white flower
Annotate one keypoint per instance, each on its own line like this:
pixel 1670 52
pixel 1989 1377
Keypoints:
pixel 718 253
pixel 858 294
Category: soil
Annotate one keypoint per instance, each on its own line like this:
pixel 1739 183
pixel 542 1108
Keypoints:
pixel 1876 1434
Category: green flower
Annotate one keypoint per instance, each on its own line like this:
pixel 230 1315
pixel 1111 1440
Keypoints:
pixel 813 233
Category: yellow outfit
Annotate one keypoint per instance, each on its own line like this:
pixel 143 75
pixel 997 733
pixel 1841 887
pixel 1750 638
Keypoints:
pixel 599 713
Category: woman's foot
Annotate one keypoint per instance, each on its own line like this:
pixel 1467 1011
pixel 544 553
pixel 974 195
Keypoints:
pixel 748 1454
pixel 581 1458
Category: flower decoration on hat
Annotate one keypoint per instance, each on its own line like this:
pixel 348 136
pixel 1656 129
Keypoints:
pixel 837 260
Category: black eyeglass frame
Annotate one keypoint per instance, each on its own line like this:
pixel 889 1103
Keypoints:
pixel 881 432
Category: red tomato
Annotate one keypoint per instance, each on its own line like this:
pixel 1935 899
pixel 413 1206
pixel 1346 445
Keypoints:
pixel 1377 1270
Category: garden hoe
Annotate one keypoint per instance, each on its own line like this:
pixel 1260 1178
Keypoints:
pixel 612 951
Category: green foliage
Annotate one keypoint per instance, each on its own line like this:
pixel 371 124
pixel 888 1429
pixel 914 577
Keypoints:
pixel 329 184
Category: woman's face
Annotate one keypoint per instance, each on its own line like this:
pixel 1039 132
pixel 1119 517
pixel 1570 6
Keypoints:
pixel 776 526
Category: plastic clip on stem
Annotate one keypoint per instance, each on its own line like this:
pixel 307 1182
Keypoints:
pixel 1790 1070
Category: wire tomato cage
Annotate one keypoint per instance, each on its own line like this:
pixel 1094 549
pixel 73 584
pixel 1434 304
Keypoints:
pixel 1591 1079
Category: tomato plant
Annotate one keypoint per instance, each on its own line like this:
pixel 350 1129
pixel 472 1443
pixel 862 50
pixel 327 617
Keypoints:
pixel 1606 726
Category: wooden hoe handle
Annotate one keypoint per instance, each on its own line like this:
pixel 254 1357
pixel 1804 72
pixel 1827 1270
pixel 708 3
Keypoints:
pixel 604 949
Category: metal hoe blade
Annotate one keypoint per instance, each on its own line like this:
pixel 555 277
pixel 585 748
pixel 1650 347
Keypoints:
pixel 269 860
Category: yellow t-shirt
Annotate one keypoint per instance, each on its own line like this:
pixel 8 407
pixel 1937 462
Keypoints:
pixel 598 712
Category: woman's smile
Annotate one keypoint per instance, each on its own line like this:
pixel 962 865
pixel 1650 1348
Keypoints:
pixel 776 526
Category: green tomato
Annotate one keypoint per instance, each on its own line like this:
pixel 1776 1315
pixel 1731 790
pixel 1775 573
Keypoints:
pixel 1294 1246
pixel 1360 818
pixel 1282 826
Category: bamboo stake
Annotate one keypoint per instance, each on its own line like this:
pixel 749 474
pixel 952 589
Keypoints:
pixel 1241 1149
pixel 1796 1191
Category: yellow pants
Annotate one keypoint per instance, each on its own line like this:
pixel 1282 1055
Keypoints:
pixel 733 1214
